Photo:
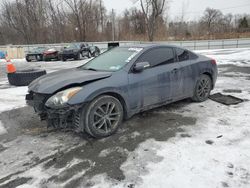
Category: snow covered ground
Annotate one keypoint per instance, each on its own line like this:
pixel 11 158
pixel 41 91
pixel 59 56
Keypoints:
pixel 13 97
pixel 184 144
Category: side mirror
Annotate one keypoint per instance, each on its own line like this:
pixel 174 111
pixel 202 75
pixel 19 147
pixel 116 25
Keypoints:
pixel 141 66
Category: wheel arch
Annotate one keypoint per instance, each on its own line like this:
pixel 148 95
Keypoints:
pixel 119 97
pixel 85 98
pixel 210 76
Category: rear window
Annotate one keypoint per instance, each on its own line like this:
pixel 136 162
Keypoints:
pixel 184 55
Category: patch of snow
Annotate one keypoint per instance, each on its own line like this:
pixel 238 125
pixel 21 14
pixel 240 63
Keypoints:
pixel 3 61
pixel 109 151
pixel 190 162
pixel 12 98
pixel 2 129
pixel 40 176
pixel 135 134
pixel 37 176
pixel 239 56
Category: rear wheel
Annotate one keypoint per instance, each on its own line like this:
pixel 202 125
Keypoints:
pixel 103 116
pixel 202 89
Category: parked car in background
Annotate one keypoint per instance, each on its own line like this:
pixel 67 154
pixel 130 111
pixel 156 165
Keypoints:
pixel 51 54
pixel 94 51
pixel 77 50
pixel 72 51
pixel 90 51
pixel 36 54
pixel 97 96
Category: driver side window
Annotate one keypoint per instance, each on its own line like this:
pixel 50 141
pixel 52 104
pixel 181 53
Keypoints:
pixel 158 56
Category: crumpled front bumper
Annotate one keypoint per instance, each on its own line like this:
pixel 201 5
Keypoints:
pixel 65 117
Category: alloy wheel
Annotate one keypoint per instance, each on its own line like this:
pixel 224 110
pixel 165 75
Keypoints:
pixel 204 88
pixel 106 117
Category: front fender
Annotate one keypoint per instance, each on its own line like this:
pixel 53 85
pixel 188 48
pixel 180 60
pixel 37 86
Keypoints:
pixel 117 85
pixel 86 96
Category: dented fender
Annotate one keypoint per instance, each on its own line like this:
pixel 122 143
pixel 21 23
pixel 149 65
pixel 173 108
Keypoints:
pixel 108 85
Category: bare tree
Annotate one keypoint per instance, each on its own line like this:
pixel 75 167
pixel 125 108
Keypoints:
pixel 52 21
pixel 76 7
pixel 210 18
pixel 152 10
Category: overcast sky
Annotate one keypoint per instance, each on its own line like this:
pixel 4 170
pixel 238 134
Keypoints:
pixel 193 8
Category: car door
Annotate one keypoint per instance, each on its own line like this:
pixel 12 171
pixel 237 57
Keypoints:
pixel 187 61
pixel 155 84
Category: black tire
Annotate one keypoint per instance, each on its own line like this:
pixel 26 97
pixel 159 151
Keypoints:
pixel 27 59
pixel 39 57
pixel 89 55
pixel 109 119
pixel 202 89
pixel 77 57
pixel 46 59
pixel 24 78
pixel 96 53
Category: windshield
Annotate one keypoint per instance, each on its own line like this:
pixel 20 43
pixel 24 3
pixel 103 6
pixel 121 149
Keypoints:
pixel 38 49
pixel 73 46
pixel 112 60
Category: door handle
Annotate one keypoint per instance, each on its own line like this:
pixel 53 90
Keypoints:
pixel 174 71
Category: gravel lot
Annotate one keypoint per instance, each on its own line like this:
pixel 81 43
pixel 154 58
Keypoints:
pixel 184 144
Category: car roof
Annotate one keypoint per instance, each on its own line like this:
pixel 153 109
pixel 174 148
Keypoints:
pixel 148 46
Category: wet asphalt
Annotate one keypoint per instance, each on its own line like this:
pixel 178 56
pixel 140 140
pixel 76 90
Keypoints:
pixel 159 124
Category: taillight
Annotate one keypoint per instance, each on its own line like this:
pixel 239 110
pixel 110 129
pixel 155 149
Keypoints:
pixel 214 62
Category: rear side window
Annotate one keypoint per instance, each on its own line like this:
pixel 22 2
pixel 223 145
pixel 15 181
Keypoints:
pixel 182 54
pixel 158 56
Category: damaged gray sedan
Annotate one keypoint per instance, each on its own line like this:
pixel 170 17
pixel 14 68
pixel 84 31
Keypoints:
pixel 95 98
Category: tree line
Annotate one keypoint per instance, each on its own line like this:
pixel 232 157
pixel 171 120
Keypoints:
pixel 59 21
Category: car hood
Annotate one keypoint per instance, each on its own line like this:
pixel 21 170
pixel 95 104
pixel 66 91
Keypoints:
pixel 70 49
pixel 33 53
pixel 53 82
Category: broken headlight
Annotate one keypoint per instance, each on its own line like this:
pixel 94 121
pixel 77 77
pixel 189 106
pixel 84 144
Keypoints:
pixel 62 97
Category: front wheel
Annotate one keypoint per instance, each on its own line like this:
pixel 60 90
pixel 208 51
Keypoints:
pixel 96 54
pixel 202 89
pixel 89 55
pixel 77 57
pixel 39 58
pixel 103 116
